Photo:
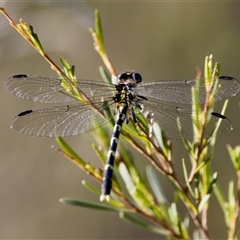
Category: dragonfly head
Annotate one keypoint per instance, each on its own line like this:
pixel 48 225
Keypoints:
pixel 129 77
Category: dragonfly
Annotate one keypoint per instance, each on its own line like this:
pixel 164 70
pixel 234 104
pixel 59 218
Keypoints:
pixel 169 101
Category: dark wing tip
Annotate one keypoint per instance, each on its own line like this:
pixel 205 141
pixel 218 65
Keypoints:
pixel 228 78
pixel 13 79
pixel 219 115
pixel 19 76
pixel 25 113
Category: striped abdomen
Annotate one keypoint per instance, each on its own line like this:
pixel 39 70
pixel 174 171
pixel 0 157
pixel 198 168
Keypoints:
pixel 108 170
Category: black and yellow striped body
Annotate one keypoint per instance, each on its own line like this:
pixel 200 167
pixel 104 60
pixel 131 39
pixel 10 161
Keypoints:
pixel 108 171
pixel 125 98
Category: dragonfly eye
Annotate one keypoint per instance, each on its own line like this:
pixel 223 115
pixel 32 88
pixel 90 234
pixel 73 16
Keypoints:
pixel 136 76
pixel 123 76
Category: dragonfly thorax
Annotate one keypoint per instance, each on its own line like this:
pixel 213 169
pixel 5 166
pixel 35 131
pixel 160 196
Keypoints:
pixel 125 94
pixel 125 89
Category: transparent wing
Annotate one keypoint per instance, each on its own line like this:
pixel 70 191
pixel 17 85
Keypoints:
pixel 168 116
pixel 180 91
pixel 49 90
pixel 80 117
pixel 61 121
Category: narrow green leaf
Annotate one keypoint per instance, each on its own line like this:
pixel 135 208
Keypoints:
pixel 34 38
pixel 64 63
pixel 98 29
pixel 208 66
pixel 68 69
pixel 129 162
pixel 107 112
pixel 132 130
pixel 133 219
pixel 137 189
pixel 144 198
pixel 99 152
pixel 127 178
pixel 69 150
pixel 203 202
pixel 114 203
pixel 231 197
pixel 91 188
pixel 186 222
pixel 105 75
pixel 186 142
pixel 173 214
pixel 155 185
pixel 213 183
pixel 159 137
pixel 176 223
pixel 187 202
pixel 81 203
pixel 197 235
pixel 203 163
pixel 235 156
pixel 186 177
pixel 220 197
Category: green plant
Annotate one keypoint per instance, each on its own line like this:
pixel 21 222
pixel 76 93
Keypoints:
pixel 144 204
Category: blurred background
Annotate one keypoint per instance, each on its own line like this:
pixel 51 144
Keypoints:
pixel 161 40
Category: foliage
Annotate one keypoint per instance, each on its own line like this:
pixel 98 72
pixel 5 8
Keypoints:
pixel 144 204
